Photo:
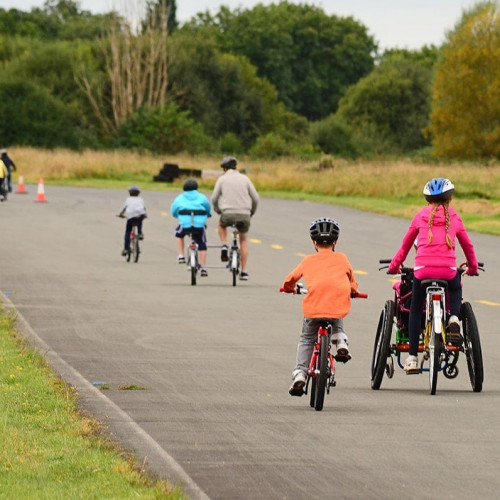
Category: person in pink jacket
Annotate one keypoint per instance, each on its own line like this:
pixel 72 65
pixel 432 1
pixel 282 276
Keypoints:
pixel 434 230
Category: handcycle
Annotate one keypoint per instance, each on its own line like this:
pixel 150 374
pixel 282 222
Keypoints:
pixel 441 354
pixel 192 260
pixel 321 370
pixel 134 248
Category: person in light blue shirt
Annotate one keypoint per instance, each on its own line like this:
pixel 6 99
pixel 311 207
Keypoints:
pixel 191 199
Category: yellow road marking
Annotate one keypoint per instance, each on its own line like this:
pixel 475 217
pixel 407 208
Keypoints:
pixel 358 271
pixel 276 246
pixel 300 254
pixel 487 303
pixel 255 240
pixel 165 214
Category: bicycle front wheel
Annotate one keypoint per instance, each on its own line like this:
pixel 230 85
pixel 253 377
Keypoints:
pixel 322 377
pixel 473 352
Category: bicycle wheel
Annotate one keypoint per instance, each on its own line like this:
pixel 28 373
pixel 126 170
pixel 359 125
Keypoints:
pixel 312 398
pixel 234 265
pixel 322 377
pixel 473 351
pixel 435 349
pixel 382 346
pixel 193 266
pixel 135 248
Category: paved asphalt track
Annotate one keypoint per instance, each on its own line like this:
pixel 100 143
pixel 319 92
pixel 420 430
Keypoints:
pixel 215 360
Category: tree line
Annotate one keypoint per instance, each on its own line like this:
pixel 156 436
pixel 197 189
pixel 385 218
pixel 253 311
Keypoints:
pixel 275 80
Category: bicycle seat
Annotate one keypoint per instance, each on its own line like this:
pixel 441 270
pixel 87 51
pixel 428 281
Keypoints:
pixel 430 282
pixel 237 226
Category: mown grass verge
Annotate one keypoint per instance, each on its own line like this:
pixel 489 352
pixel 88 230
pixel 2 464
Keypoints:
pixel 48 449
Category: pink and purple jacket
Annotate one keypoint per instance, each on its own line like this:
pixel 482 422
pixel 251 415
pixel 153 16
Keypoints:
pixel 435 259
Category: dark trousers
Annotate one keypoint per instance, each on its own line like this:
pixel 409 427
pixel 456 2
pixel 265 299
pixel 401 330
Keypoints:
pixel 130 223
pixel 417 304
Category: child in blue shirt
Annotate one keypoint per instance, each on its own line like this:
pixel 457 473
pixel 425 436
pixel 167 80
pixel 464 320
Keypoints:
pixel 191 199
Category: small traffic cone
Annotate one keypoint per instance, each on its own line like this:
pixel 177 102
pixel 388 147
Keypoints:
pixel 20 185
pixel 40 195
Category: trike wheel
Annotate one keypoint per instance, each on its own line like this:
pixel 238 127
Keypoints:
pixel 381 348
pixel 193 266
pixel 473 351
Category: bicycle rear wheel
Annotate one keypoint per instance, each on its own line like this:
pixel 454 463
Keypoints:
pixel 193 265
pixel 322 377
pixel 382 346
pixel 135 248
pixel 435 349
pixel 234 265
pixel 473 352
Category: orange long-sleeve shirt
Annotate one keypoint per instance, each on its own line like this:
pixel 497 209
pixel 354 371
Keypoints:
pixel 329 280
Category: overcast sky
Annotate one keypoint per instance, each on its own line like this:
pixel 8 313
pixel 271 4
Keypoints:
pixel 393 23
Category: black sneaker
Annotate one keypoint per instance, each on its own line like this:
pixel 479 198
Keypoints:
pixel 223 254
pixel 203 273
pixel 244 276
pixel 342 355
pixel 124 253
pixel 141 236
pixel 453 335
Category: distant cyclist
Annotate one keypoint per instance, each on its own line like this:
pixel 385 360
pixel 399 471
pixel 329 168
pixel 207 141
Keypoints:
pixel 235 199
pixel 435 228
pixel 329 279
pixel 10 165
pixel 3 182
pixel 134 210
pixel 191 199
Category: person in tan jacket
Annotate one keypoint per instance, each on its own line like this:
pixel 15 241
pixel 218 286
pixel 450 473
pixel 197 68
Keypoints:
pixel 235 199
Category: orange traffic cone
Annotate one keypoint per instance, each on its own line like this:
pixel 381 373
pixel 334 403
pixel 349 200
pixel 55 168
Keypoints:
pixel 20 185
pixel 40 195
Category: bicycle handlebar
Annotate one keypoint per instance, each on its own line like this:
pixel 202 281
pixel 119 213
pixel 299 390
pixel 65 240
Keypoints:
pixel 300 290
pixel 403 269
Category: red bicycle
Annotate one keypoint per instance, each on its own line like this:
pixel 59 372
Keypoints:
pixel 321 371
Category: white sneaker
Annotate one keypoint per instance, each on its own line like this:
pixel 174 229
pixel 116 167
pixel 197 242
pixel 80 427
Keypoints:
pixel 411 365
pixel 342 353
pixel 181 259
pixel 299 381
pixel 453 335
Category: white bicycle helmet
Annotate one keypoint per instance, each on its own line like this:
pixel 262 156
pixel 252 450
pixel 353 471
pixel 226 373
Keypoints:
pixel 439 189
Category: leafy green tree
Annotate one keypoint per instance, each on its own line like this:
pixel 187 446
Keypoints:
pixel 388 110
pixel 32 116
pixel 163 130
pixel 221 91
pixel 465 114
pixel 310 57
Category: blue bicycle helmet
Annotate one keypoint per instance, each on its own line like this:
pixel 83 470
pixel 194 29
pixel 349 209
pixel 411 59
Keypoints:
pixel 439 189
pixel 324 231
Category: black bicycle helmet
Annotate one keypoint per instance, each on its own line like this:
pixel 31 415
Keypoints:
pixel 324 231
pixel 228 162
pixel 190 185
pixel 438 190
pixel 134 191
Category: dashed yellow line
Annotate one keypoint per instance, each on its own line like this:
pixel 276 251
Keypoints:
pixel 255 240
pixel 275 246
pixel 300 254
pixel 360 272
pixel 165 214
pixel 487 303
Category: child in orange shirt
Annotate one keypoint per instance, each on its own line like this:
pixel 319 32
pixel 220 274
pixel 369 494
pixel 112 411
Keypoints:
pixel 330 282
